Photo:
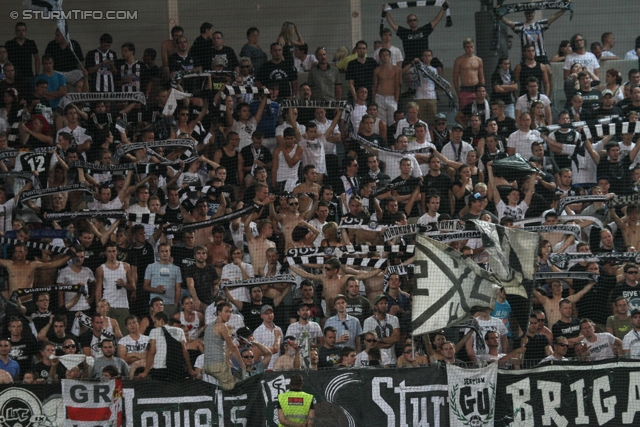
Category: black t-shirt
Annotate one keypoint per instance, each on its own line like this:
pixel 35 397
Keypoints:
pixel 440 185
pixel 94 255
pixel 329 357
pixel 281 73
pixel 414 42
pixel 22 351
pixel 507 127
pixel 250 153
pixel 41 369
pixel 229 57
pixel 631 294
pixel 536 349
pixel 317 313
pixel 406 189
pixel 618 174
pixel 568 330
pixel 361 73
pixel 251 312
pixel 40 320
pixel 183 257
pixel 203 279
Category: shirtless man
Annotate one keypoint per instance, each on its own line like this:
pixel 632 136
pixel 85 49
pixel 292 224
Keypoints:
pixel 308 192
pixel 258 245
pixel 200 214
pixel 218 250
pixel 22 272
pixel 467 73
pixel 629 225
pixel 169 47
pixel 386 86
pixel 46 276
pixel 333 282
pixel 552 304
pixel 291 218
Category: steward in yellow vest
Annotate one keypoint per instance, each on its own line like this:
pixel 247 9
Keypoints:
pixel 295 407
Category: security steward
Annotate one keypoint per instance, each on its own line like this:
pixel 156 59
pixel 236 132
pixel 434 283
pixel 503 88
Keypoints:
pixel 295 407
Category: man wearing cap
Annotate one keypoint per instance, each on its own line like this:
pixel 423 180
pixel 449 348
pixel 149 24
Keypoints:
pixel 348 328
pixel 456 149
pixel 268 333
pixel 440 134
pixel 631 341
pixel 386 327
pixel 307 332
pixel 607 109
pixel 475 346
pixel 477 204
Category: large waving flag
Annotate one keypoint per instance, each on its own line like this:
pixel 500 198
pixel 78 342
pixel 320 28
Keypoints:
pixel 450 284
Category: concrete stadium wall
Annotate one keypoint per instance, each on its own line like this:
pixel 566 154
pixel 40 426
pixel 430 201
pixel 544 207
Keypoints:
pixel 330 23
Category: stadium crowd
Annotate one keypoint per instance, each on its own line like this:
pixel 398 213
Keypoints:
pixel 164 268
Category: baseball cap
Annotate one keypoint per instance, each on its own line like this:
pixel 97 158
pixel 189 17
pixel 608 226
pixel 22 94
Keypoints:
pixel 441 116
pixel 339 296
pixel 244 332
pixel 265 308
pixel 304 304
pixel 218 61
pixel 457 126
pixel 379 297
pixel 635 311
pixel 535 159
pixel 607 92
pixel 476 197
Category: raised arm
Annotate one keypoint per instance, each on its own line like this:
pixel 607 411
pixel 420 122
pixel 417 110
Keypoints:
pixel 509 23
pixel 300 272
pixel 390 20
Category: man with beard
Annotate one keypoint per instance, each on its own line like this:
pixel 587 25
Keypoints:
pixel 201 279
pixel 386 327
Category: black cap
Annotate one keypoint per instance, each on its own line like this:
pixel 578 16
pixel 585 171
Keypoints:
pixel 457 126
pixel 635 311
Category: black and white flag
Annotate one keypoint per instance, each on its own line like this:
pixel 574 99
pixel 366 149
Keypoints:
pixel 448 285
pixel 103 96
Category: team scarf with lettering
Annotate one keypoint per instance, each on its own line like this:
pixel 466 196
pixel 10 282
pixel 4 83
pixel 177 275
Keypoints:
pixel 562 260
pixel 157 168
pixel 204 190
pixel 79 289
pixel 402 270
pixel 338 251
pixel 103 96
pixel 34 194
pixel 540 220
pixel 423 71
pixel 565 201
pixel 190 74
pixel 503 10
pixel 26 175
pixel 37 245
pixel 86 214
pixel 360 223
pixel 268 280
pixel 42 233
pixel 8 154
pixel 629 199
pixel 573 230
pixel 177 228
pixel 394 231
pixel 423 3
pixel 159 125
pixel 379 263
pixel 360 140
pixel 575 275
pixel 127 148
pixel 453 237
pixel 308 103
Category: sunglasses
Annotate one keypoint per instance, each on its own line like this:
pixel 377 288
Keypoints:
pixel 247 357
pixel 371 340
pixel 408 352
pixel 563 345
pixel 69 346
pixel 294 204
pixel 632 272
pixel 412 20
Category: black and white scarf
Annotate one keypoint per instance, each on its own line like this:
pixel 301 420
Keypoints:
pixel 360 224
pixel 79 289
pixel 574 230
pixel 409 229
pixel 36 245
pixel 8 154
pixel 561 260
pixel 282 278
pixel 103 96
pixel 541 220
pixel 378 263
pixel 407 4
pixel 360 140
pixel 631 199
pixel 158 168
pixel 127 148
pixel 34 194
pixel 503 10
pixel 308 103
pixel 576 275
pixel 177 228
pixel 87 214
pixel 453 237
pixel 26 175
pixel 616 128
pixel 338 251
pixel 565 201
pixel 422 70
pixel 402 270
pixel 145 218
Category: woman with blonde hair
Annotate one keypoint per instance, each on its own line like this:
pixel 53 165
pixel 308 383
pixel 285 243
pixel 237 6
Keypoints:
pixel 289 37
pixel 331 238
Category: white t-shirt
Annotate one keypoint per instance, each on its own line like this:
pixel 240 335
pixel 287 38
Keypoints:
pixel 522 141
pixel 329 147
pixel 245 131
pixel 586 59
pixel 632 54
pixel 160 360
pixel 601 349
pixel 523 103
pixel 133 346
pixel 313 154
pixel 631 342
pixel 458 154
pixel 232 273
pixel 514 212
pixel 404 128
pixel 267 337
pixel 586 171
pixel 392 161
pixel 415 145
pixel 111 205
pixel 494 324
pixel 304 66
pixel 312 328
pixel 362 360
pixel 69 277
pixel 383 329
pixel 552 358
